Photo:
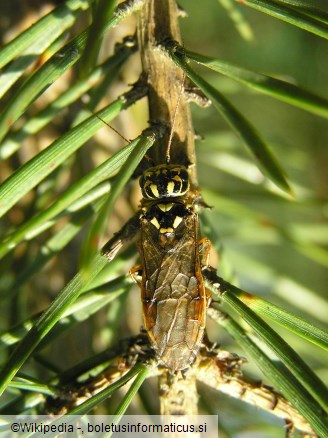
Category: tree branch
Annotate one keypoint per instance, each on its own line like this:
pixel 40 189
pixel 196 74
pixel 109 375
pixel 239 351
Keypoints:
pixel 158 21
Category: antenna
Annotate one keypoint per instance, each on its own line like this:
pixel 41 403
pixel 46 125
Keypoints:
pixel 168 149
pixel 113 129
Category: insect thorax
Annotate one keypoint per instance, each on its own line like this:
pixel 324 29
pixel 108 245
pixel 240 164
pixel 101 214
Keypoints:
pixel 164 189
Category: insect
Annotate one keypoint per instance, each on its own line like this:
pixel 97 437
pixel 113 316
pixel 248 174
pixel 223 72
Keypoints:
pixel 174 298
pixel 173 294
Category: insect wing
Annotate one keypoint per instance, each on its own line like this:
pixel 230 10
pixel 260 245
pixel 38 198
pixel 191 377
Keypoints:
pixel 173 294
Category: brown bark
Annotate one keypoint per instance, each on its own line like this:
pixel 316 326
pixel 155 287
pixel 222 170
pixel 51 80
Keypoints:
pixel 158 21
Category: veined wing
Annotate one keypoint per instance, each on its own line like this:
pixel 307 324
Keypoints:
pixel 173 294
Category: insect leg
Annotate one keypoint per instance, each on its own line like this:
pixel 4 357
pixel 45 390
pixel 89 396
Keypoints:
pixel 126 234
pixel 215 283
pixel 136 274
pixel 204 254
pixel 204 251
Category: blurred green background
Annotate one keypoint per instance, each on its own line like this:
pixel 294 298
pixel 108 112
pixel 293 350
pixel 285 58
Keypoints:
pixel 269 244
pixel 272 246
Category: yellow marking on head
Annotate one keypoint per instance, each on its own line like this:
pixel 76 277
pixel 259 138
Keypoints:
pixel 177 178
pixel 177 221
pixel 165 207
pixel 166 230
pixel 181 183
pixel 153 188
pixel 170 187
pixel 155 222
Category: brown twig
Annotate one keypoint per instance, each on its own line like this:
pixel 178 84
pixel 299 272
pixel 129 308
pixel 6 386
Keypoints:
pixel 221 371
pixel 158 21
pixel 178 393
pixel 213 367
